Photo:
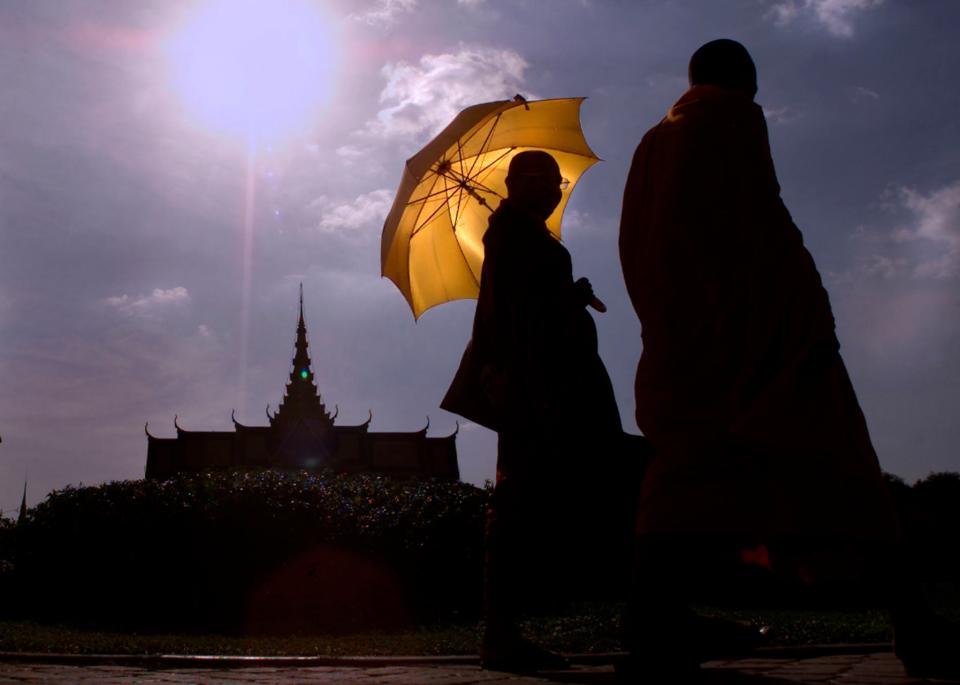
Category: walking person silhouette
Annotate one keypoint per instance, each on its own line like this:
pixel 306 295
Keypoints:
pixel 762 450
pixel 534 372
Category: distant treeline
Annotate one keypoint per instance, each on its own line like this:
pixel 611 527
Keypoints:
pixel 251 552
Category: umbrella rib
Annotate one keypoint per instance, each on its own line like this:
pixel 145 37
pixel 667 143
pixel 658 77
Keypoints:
pixel 467 138
pixel 486 142
pixel 454 175
pixel 423 204
pixel 495 161
pixel 419 226
pixel 456 214
pixel 467 262
pixel 471 185
pixel 425 223
pixel 459 195
pixel 459 177
pixel 427 196
pixel 451 176
pixel 465 185
pixel 462 186
pixel 474 179
pixel 463 182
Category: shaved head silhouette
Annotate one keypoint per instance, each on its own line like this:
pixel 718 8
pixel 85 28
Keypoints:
pixel 533 182
pixel 533 162
pixel 724 63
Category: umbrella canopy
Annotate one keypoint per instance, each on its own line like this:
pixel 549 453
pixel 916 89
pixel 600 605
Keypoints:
pixel 432 245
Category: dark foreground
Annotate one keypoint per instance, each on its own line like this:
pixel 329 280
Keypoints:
pixel 806 666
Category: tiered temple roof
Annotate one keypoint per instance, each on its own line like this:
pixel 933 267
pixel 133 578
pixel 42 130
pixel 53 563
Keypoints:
pixel 302 434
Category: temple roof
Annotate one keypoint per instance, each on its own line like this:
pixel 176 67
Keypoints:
pixel 301 410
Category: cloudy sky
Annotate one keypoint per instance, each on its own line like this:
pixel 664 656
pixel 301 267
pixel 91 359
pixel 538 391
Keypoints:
pixel 156 218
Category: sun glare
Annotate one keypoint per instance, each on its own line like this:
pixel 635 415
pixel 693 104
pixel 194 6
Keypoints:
pixel 253 68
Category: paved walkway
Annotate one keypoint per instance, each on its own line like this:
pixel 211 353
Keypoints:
pixel 841 669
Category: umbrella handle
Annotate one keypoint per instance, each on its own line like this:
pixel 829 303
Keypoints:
pixel 598 304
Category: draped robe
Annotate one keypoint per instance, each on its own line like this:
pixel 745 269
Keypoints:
pixel 566 473
pixel 537 340
pixel 740 386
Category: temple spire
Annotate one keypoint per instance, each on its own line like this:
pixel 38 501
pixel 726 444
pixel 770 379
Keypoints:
pixel 301 398
pixel 301 360
pixel 22 518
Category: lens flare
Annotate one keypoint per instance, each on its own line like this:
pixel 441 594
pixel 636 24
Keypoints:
pixel 253 68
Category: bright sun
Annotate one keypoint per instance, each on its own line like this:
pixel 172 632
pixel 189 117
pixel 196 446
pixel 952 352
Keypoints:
pixel 252 68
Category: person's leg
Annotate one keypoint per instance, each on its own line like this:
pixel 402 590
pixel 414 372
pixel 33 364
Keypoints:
pixel 927 643
pixel 501 568
pixel 657 603
pixel 510 527
pixel 662 633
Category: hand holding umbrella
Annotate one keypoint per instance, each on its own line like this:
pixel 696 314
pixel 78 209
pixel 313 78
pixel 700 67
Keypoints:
pixel 585 295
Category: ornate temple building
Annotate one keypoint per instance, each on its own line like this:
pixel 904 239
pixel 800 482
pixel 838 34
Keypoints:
pixel 302 435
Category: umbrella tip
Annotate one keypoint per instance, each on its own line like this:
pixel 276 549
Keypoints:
pixel 519 98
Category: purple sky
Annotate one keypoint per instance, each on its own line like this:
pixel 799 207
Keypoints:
pixel 122 211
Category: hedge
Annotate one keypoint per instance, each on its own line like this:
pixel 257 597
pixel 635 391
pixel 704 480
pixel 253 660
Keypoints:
pixel 251 552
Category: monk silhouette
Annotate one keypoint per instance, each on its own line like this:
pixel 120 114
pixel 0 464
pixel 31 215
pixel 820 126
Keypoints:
pixel 533 362
pixel 761 443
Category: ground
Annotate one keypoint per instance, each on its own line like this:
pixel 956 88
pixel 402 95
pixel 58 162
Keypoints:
pixel 829 666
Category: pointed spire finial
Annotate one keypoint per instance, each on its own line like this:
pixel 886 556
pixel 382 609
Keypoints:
pixel 301 301
pixel 23 505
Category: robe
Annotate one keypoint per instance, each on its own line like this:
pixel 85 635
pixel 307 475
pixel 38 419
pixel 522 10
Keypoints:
pixel 740 386
pixel 536 341
pixel 567 475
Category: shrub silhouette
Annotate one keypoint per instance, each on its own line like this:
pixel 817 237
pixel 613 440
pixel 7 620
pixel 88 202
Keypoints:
pixel 252 552
pixel 282 552
pixel 932 524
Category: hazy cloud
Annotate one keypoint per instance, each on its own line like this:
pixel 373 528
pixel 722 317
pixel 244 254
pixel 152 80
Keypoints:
pixel 861 93
pixel 156 301
pixel 884 266
pixel 781 115
pixel 366 211
pixel 835 15
pixel 351 153
pixel 422 98
pixel 936 222
pixel 926 246
pixel 385 12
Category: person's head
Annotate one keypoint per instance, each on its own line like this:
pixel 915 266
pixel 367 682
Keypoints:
pixel 724 63
pixel 534 182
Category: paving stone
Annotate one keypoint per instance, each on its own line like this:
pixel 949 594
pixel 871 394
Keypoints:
pixel 840 659
pixel 760 664
pixel 869 669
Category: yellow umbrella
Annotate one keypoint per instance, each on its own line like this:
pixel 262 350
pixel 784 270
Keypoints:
pixel 432 245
